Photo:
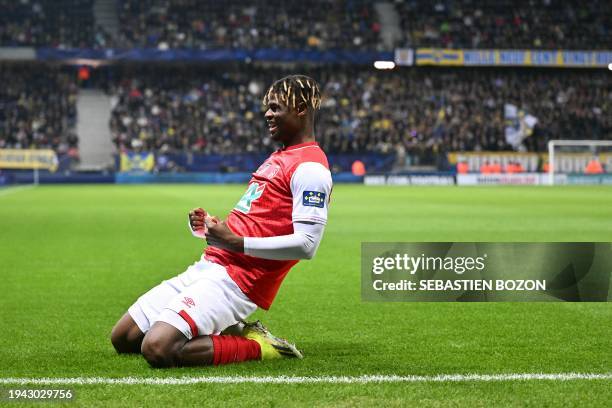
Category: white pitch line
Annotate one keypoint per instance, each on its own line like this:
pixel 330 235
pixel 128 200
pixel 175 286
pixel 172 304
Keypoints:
pixel 364 379
pixel 11 190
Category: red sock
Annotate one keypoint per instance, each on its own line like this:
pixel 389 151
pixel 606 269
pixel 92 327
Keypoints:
pixel 233 349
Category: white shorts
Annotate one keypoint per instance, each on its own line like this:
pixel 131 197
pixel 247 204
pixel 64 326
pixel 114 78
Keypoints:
pixel 203 300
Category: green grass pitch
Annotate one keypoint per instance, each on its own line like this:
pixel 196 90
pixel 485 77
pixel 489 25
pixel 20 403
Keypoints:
pixel 73 258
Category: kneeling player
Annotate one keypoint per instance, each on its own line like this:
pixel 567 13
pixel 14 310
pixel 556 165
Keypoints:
pixel 187 320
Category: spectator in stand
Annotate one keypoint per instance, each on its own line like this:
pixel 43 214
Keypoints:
pixel 38 109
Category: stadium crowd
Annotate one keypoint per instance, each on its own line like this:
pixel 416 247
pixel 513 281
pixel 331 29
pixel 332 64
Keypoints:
pixel 50 23
pixel 316 24
pixel 38 109
pixel 535 24
pixel 412 112
pixel 420 111
pixel 416 112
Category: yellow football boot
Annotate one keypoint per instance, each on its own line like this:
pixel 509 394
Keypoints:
pixel 272 347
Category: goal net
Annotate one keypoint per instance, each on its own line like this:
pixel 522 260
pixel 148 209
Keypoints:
pixel 579 161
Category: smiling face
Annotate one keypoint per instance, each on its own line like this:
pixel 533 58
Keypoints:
pixel 284 122
pixel 290 104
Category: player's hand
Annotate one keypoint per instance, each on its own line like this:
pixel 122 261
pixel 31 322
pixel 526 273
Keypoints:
pixel 219 235
pixel 196 224
pixel 196 219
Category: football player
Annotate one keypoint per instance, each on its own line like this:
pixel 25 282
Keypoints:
pixel 196 317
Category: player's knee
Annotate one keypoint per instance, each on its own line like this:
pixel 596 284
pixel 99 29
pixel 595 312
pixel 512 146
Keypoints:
pixel 124 341
pixel 158 352
pixel 115 339
pixel 119 339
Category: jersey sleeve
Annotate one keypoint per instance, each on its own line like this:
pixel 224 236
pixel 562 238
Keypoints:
pixel 311 186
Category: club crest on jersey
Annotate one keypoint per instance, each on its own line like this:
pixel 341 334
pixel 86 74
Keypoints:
pixel 313 199
pixel 268 170
pixel 254 191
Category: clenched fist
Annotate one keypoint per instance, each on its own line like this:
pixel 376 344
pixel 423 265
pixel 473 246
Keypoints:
pixel 197 218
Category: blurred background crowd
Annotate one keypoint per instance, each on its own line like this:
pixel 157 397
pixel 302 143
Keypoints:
pixel 534 24
pixel 364 110
pixel 312 24
pixel 38 109
pixel 217 108
pixel 318 24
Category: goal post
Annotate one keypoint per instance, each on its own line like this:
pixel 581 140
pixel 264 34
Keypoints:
pixel 585 149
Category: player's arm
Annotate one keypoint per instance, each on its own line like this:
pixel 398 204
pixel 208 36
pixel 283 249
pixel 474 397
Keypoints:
pixel 302 244
pixel 311 186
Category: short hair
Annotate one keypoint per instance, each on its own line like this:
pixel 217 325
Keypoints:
pixel 294 89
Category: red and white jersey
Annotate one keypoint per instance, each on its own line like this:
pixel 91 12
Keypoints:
pixel 293 184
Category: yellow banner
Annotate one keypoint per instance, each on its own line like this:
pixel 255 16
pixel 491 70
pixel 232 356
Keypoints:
pixel 565 162
pixel 439 56
pixel 524 58
pixel 137 162
pixel 28 159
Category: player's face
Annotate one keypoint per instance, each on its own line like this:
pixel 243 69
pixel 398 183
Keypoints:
pixel 283 121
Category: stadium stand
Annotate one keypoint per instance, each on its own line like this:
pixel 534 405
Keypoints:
pixel 219 111
pixel 38 109
pixel 317 24
pixel 424 110
pixel 215 109
pixel 50 23
pixel 548 24
pixel 536 24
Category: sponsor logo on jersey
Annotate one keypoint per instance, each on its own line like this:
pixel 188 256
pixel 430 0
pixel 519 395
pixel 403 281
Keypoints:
pixel 313 199
pixel 254 191
pixel 188 302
